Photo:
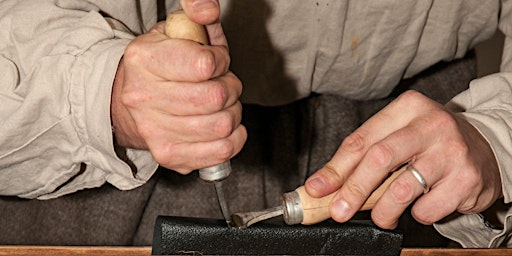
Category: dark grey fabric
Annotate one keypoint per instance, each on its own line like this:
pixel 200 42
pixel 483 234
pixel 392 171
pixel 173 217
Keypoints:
pixel 102 216
pixel 285 145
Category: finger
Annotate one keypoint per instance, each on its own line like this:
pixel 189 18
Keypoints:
pixel 393 117
pixel 184 60
pixel 434 206
pixel 393 202
pixel 184 99
pixel 187 157
pixel 207 12
pixel 176 59
pixel 181 129
pixel 396 115
pixel 451 190
pixel 330 177
pixel 381 158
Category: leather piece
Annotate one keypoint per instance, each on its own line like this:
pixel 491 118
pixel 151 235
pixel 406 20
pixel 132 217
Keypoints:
pixel 182 235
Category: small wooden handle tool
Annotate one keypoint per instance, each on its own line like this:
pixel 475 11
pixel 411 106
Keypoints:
pixel 314 210
pixel 298 207
pixel 179 26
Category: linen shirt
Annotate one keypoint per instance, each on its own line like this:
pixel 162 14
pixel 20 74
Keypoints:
pixel 59 59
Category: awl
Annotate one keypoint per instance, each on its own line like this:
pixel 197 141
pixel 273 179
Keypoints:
pixel 297 207
pixel 179 26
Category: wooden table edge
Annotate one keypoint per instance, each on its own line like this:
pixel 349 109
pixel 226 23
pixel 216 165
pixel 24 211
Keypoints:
pixel 146 250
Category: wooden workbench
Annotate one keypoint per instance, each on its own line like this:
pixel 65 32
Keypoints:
pixel 145 251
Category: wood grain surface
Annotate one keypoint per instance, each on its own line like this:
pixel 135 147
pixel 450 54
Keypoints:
pixel 145 251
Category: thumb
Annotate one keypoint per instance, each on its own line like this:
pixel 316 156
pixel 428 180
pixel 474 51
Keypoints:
pixel 203 12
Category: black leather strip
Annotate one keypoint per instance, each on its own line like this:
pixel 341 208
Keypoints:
pixel 180 235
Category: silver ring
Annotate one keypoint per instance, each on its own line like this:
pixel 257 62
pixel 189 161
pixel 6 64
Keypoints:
pixel 420 178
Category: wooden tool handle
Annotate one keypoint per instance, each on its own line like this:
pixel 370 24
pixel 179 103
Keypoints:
pixel 179 26
pixel 316 210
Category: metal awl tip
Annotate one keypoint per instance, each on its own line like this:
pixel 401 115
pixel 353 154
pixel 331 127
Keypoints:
pixel 222 202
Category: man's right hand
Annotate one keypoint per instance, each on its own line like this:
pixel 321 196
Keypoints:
pixel 177 98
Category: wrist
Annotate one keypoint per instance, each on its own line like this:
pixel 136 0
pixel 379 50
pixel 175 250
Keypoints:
pixel 123 126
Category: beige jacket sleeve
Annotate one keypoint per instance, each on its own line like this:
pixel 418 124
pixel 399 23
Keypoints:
pixel 58 60
pixel 487 105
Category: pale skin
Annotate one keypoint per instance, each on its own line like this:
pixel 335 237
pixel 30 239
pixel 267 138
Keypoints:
pixel 177 98
pixel 455 160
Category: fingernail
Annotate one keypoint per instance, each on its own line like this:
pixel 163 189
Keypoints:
pixel 317 183
pixel 204 4
pixel 341 210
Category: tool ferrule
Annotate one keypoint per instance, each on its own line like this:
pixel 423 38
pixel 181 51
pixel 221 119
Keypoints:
pixel 216 173
pixel 292 212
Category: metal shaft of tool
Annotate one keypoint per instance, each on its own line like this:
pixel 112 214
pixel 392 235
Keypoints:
pixel 217 174
pixel 222 202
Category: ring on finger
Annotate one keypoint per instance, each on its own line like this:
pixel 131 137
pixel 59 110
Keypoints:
pixel 418 176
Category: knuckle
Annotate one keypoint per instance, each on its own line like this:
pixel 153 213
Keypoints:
pixel 234 82
pixel 440 118
pixel 414 100
pixel 182 170
pixel 424 219
pixel 333 174
pixel 205 64
pixel 469 206
pixel 168 157
pixel 445 118
pixel 381 155
pixel 410 98
pixel 419 215
pixel 135 53
pixel 457 149
pixel 225 150
pixel 401 191
pixel 383 221
pixel 423 216
pixel 224 125
pixel 217 95
pixel 164 155
pixel 132 97
pixel 355 189
pixel 145 129
pixel 430 210
pixel 354 142
pixel 472 182
pixel 472 178
pixel 227 59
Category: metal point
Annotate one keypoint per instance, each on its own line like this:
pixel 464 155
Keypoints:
pixel 222 202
